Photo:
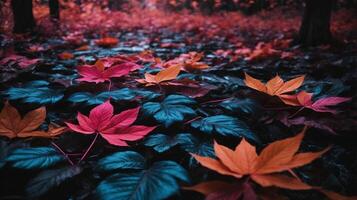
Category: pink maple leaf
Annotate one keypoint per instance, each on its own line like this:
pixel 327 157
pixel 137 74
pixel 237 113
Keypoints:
pixel 321 105
pixel 21 61
pixel 116 129
pixel 99 72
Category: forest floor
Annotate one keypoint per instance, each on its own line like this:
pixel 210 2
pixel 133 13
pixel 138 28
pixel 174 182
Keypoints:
pixel 40 70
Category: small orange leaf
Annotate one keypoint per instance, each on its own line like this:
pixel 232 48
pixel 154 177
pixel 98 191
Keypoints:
pixel 215 165
pixel 99 65
pixel 275 86
pixel 65 56
pixel 32 120
pixel 11 124
pixel 291 85
pixel 107 42
pixel 83 48
pixel 289 99
pixel 164 75
pixel 254 83
pixel 304 98
pixel 168 74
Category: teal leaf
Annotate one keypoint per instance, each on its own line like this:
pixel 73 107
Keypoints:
pixel 160 181
pixel 34 158
pixel 172 109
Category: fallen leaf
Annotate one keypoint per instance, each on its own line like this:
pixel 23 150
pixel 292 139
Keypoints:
pixel 164 75
pixel 98 72
pixel 276 157
pixel 107 42
pixel 274 87
pixel 116 129
pixel 65 56
pixel 304 99
pixel 12 125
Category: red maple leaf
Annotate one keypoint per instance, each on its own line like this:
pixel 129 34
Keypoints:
pixel 116 129
pixel 98 72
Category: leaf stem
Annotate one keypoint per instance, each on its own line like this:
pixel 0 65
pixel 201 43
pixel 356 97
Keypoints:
pixel 64 154
pixel 194 119
pixel 89 148
pixel 293 115
pixel 160 88
pixel 110 85
pixel 294 174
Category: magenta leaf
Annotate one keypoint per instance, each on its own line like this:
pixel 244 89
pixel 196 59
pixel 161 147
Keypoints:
pixel 91 73
pixel 321 105
pixel 21 61
pixel 116 129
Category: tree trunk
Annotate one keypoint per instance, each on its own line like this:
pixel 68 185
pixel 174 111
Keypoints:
pixel 315 26
pixel 54 9
pixel 23 16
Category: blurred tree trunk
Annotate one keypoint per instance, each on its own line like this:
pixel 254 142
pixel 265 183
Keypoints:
pixel 315 26
pixel 54 9
pixel 23 16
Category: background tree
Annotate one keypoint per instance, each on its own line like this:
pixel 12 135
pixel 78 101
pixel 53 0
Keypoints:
pixel 315 25
pixel 54 9
pixel 23 16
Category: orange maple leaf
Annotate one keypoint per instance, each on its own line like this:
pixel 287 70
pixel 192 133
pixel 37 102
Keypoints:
pixel 188 62
pixel 107 42
pixel 275 86
pixel 276 157
pixel 65 56
pixel 12 125
pixel 164 75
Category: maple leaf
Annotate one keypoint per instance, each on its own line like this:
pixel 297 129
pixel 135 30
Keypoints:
pixel 163 76
pixel 275 86
pixel 116 129
pixel 107 42
pixel 276 157
pixel 188 62
pixel 21 61
pixel 98 72
pixel 304 99
pixel 12 125
pixel 65 56
pixel 261 51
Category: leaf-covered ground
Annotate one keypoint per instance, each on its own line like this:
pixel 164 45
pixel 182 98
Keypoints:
pixel 176 88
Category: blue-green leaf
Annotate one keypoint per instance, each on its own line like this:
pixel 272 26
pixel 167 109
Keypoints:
pixel 162 143
pixel 247 106
pixel 157 182
pixel 122 160
pixel 35 92
pixel 173 109
pixel 224 125
pixel 34 158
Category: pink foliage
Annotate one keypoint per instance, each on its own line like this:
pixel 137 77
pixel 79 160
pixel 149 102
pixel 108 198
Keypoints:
pixel 116 129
